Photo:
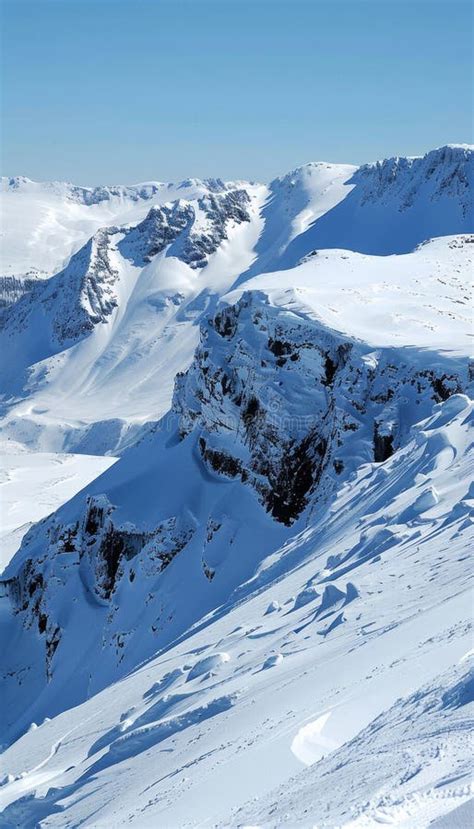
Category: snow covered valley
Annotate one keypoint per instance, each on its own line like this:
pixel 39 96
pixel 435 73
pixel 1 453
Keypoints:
pixel 260 614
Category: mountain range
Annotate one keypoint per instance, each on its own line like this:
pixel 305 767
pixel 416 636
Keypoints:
pixel 236 423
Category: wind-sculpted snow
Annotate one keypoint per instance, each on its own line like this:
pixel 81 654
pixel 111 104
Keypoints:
pixel 420 745
pixel 368 680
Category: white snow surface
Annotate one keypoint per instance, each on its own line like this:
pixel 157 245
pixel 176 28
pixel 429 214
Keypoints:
pixel 261 613
pixel 421 299
pixel 151 747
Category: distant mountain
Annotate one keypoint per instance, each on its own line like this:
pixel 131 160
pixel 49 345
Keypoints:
pixel 97 345
pixel 396 204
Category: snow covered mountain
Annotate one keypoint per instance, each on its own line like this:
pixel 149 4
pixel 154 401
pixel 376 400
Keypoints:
pixel 91 354
pixel 281 552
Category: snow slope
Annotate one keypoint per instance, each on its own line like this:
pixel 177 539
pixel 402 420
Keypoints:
pixel 422 745
pixel 421 299
pixel 222 715
pixel 396 204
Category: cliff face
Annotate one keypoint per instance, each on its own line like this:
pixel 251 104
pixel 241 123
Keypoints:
pixel 443 173
pixel 287 406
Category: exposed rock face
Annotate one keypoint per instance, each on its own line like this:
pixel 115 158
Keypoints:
pixel 161 226
pixel 219 211
pixel 12 288
pixel 97 298
pixel 395 205
pixel 76 299
pixel 102 553
pixel 200 226
pixel 85 293
pixel 383 445
pixel 447 171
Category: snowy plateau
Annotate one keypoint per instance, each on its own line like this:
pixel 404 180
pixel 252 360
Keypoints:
pixel 236 489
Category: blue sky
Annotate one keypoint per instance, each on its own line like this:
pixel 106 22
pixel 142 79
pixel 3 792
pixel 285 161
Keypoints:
pixel 98 91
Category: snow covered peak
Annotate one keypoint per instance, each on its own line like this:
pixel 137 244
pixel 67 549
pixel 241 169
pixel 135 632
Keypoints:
pixel 106 192
pixel 15 182
pixel 311 169
pixel 86 292
pixel 214 185
pixel 83 195
pixel 392 206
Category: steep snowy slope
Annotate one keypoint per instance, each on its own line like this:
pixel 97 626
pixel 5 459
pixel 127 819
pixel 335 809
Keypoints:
pixel 363 605
pixel 294 202
pixel 395 204
pixel 422 746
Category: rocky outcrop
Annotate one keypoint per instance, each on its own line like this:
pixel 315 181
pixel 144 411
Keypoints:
pixel 199 226
pixel 102 552
pixel 85 293
pixel 12 288
pixel 76 299
pixel 286 406
pixel 447 171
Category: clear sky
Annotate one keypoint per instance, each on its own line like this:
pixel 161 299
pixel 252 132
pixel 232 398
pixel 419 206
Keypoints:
pixel 97 91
